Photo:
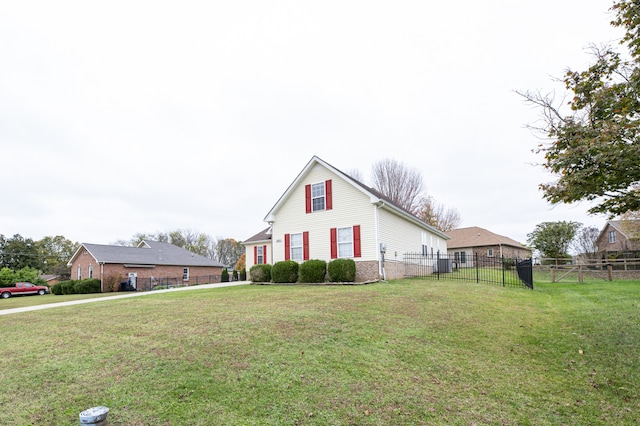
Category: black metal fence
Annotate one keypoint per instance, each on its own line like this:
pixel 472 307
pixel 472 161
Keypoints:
pixel 157 283
pixel 508 272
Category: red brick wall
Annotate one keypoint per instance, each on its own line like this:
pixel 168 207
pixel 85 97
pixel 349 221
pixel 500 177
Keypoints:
pixel 162 271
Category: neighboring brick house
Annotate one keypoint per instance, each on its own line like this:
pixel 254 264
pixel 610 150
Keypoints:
pixel 466 243
pixel 151 262
pixel 616 237
pixel 326 214
pixel 51 279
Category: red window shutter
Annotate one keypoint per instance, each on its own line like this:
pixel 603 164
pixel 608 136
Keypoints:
pixel 334 243
pixel 329 197
pixel 356 241
pixel 287 246
pixel 264 255
pixel 305 245
pixel 255 255
pixel 307 198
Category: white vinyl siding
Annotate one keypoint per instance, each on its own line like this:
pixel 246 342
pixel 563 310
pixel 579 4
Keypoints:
pixel 350 207
pixel 249 253
pixel 401 236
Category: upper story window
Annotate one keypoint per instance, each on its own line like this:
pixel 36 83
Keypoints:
pixel 318 197
pixel 612 236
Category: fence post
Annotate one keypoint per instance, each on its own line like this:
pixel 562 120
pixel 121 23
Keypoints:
pixel 610 272
pixel 553 274
pixel 580 278
pixel 477 269
pixel 438 264
pixel 502 260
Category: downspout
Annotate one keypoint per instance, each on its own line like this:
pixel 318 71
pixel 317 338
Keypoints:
pixel 380 255
pixel 101 277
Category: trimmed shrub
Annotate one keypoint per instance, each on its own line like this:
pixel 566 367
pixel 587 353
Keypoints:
pixel 285 271
pixel 68 287
pixel 342 270
pixel 260 273
pixel 90 285
pixel 56 289
pixel 243 274
pixel 235 275
pixel 225 276
pixel 313 271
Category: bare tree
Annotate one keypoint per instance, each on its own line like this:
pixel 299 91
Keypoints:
pixel 228 251
pixel 196 242
pixel 437 215
pixel 356 174
pixel 584 242
pixel 401 184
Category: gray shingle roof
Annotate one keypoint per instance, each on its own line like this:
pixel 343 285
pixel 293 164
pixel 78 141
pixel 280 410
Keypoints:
pixel 148 253
pixel 264 235
pixel 477 237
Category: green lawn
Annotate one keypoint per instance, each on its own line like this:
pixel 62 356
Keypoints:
pixel 403 352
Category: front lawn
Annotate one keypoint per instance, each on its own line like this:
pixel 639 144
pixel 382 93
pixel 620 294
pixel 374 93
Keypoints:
pixel 404 352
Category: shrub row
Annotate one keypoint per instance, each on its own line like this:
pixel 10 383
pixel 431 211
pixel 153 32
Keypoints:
pixel 311 271
pixel 86 286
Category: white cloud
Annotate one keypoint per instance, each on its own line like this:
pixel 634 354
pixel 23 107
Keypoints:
pixel 127 117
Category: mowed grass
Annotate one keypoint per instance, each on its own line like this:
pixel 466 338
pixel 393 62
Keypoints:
pixel 403 352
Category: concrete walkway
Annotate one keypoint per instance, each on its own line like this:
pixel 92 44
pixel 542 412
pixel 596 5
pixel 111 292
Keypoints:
pixel 116 296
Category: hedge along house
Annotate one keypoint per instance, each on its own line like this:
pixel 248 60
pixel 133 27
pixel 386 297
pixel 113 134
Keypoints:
pixel 326 214
pixel 151 262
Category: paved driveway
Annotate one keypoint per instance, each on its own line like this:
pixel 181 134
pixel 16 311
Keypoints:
pixel 117 296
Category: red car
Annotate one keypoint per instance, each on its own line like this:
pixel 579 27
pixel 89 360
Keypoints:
pixel 23 288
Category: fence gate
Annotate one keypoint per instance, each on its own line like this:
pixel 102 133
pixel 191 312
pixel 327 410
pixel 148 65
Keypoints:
pixel 525 272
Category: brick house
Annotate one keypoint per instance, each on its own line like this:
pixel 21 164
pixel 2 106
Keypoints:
pixel 617 236
pixel 466 243
pixel 326 214
pixel 140 268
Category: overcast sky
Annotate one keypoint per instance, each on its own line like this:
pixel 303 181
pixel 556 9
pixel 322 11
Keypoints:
pixel 142 116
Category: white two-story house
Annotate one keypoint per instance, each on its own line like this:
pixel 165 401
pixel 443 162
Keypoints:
pixel 326 214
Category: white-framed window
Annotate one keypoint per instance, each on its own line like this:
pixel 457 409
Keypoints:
pixel 185 274
pixel 463 257
pixel 260 255
pixel 490 252
pixel 612 236
pixel 318 200
pixel 79 272
pixel 345 242
pixel 90 271
pixel 296 246
pixel 425 247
